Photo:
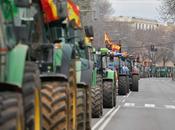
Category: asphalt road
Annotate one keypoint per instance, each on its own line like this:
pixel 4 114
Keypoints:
pixel 152 108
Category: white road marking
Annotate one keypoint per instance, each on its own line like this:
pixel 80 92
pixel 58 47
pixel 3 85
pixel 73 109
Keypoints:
pixel 150 105
pixel 103 119
pixel 169 106
pixel 123 100
pixel 109 115
pixel 109 119
pixel 129 105
pixel 128 94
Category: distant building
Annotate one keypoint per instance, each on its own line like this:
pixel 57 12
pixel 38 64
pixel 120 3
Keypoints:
pixel 137 23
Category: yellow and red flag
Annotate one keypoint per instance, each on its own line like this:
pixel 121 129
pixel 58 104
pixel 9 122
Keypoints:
pixel 73 12
pixel 109 43
pixel 50 10
pixel 115 47
pixel 107 39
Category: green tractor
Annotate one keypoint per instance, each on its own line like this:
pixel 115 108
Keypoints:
pixel 108 74
pixel 19 75
pixel 57 52
pixel 96 86
pixel 83 75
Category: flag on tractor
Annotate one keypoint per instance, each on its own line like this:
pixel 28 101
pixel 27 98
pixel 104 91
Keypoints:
pixel 73 13
pixel 50 10
pixel 115 47
pixel 107 39
pixel 110 44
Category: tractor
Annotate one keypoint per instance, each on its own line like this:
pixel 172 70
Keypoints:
pixel 133 74
pixel 84 67
pixel 128 74
pixel 96 86
pixel 56 48
pixel 108 75
pixel 19 75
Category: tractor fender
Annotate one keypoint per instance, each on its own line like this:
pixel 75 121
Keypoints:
pixel 84 74
pixel 10 87
pixel 50 77
pixel 66 57
pixel 16 64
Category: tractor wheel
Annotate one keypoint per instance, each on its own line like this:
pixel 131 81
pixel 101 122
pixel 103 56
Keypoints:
pixel 135 82
pixel 122 85
pixel 88 108
pixel 96 96
pixel 11 111
pixel 72 99
pixel 81 109
pixel 114 97
pixel 108 95
pixel 54 106
pixel 31 97
pixel 128 85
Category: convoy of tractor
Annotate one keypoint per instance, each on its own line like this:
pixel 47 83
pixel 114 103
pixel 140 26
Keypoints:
pixel 51 76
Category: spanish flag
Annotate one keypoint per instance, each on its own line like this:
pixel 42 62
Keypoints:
pixel 50 10
pixel 73 13
pixel 107 39
pixel 115 47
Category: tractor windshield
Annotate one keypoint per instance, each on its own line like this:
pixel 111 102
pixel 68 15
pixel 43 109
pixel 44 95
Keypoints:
pixel 6 24
pixel 15 22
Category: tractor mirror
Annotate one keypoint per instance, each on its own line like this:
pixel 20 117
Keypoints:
pixel 89 31
pixel 23 3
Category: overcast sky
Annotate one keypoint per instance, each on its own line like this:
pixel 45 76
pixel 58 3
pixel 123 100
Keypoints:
pixel 136 8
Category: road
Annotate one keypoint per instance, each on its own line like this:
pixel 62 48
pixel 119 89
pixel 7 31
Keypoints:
pixel 152 108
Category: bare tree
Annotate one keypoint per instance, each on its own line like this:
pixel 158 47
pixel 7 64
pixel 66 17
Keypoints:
pixel 167 10
pixel 103 10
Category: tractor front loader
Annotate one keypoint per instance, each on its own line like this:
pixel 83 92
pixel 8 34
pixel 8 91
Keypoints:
pixel 19 75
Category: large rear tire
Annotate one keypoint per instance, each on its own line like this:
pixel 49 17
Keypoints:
pixel 81 109
pixel 128 84
pixel 72 99
pixel 31 97
pixel 54 106
pixel 123 84
pixel 11 111
pixel 108 101
pixel 88 108
pixel 96 97
pixel 114 97
pixel 135 83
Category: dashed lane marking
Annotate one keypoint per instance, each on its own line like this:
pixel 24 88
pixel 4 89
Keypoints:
pixel 169 106
pixel 123 100
pixel 129 105
pixel 150 105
